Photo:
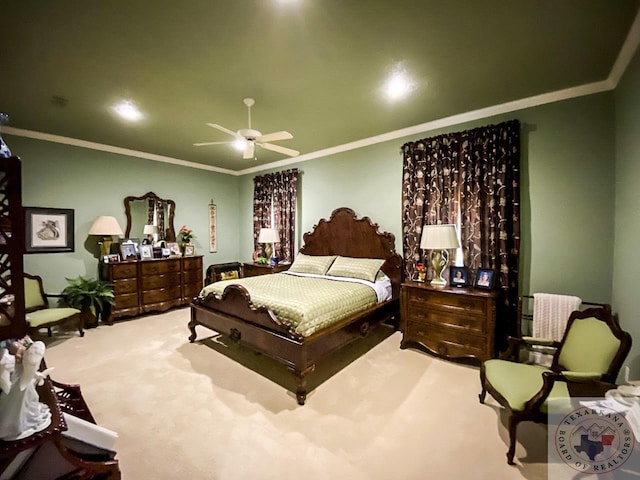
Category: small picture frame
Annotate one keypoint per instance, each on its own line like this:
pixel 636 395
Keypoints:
pixel 134 241
pixel 128 251
pixel 458 276
pixel 166 252
pixel 189 250
pixel 112 258
pixel 146 252
pixel 174 248
pixel 484 279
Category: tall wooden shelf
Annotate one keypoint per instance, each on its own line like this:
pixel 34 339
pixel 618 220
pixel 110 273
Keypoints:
pixel 37 451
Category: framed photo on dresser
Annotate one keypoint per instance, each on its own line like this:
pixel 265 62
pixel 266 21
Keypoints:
pixel 458 276
pixel 484 279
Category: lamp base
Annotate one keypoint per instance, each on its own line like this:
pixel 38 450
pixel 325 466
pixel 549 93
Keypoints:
pixel 439 260
pixel 105 246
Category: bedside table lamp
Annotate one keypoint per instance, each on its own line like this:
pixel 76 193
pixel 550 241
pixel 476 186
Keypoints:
pixel 106 227
pixel 438 239
pixel 269 236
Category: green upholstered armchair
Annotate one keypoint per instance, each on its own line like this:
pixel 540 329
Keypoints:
pixel 591 352
pixel 39 314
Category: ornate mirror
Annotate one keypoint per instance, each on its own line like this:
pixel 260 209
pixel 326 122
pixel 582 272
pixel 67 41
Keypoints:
pixel 149 209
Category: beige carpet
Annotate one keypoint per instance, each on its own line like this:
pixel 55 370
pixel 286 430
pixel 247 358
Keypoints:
pixel 186 410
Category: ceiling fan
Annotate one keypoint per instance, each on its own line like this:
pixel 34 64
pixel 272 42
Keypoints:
pixel 247 138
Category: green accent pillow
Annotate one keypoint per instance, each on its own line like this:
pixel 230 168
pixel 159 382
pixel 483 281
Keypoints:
pixel 363 268
pixel 317 264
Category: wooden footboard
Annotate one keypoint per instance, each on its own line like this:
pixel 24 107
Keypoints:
pixel 259 329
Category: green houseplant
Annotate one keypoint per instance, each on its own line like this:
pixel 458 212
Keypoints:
pixel 92 297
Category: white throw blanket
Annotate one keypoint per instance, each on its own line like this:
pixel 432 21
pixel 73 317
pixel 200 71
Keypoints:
pixel 551 313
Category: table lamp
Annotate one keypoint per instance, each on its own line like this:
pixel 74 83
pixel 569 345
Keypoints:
pixel 106 227
pixel 269 236
pixel 438 239
pixel 151 231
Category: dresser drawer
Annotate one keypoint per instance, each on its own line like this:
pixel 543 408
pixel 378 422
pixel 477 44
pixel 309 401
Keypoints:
pixel 129 285
pixel 192 276
pixel 128 300
pixel 449 319
pixel 158 281
pixel 164 266
pixel 192 263
pixel 123 270
pixel 446 342
pixel 161 295
pixel 192 290
pixel 448 301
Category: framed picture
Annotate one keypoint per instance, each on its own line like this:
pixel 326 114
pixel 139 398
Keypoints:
pixel 146 252
pixel 458 276
pixel 174 248
pixel 166 252
pixel 128 251
pixel 113 258
pixel 189 250
pixel 134 241
pixel 484 279
pixel 48 230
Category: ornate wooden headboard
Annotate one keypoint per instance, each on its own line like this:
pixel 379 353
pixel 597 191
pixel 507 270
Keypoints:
pixel 344 234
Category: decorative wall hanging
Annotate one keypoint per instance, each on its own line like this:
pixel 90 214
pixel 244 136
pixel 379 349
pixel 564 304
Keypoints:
pixel 213 238
pixel 48 230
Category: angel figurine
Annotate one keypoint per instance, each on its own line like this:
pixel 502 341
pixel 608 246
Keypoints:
pixel 21 412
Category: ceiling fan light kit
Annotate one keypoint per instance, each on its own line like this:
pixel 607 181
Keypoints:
pixel 250 138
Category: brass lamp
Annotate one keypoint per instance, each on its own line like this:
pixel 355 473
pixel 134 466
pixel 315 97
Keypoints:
pixel 269 236
pixel 438 239
pixel 106 227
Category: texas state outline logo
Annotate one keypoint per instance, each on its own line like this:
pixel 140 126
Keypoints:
pixel 594 440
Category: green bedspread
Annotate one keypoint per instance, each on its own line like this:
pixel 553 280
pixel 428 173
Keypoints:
pixel 305 304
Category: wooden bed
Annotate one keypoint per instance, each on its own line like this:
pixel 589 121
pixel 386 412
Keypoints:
pixel 234 315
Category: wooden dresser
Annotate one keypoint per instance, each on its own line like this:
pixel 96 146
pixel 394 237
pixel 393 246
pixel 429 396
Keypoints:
pixel 154 285
pixel 453 323
pixel 254 269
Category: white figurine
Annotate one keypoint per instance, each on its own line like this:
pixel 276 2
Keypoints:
pixel 21 412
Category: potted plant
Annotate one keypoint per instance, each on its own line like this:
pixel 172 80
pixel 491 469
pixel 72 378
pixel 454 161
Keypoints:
pixel 92 297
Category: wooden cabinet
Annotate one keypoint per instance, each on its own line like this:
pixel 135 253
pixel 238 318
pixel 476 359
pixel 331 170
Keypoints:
pixel 454 323
pixel 154 285
pixel 254 269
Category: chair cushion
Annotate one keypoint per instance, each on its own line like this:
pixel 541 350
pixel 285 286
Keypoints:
pixel 519 382
pixel 589 347
pixel 32 295
pixel 49 315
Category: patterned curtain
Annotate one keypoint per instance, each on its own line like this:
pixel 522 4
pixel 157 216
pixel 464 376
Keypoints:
pixel 285 194
pixel 278 191
pixel 471 179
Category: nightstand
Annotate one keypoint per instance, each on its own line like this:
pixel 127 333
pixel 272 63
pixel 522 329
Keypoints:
pixel 254 269
pixel 453 323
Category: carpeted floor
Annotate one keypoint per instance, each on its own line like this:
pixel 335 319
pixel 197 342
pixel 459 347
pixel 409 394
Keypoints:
pixel 187 410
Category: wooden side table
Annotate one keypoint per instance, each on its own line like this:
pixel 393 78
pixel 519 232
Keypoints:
pixel 254 269
pixel 452 323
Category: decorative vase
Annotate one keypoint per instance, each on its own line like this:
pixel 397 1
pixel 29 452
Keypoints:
pixel 4 150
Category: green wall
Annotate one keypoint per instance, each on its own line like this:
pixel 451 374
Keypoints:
pixel 95 183
pixel 567 193
pixel 626 267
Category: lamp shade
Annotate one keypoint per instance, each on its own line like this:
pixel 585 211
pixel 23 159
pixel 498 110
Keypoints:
pixel 268 235
pixel 439 237
pixel 149 229
pixel 105 226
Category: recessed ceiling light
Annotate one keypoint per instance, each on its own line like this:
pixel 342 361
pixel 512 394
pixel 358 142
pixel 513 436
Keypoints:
pixel 398 84
pixel 128 111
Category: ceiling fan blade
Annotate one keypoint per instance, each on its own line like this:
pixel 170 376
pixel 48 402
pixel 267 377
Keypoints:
pixel 249 150
pixel 223 129
pixel 279 149
pixel 273 137
pixel 204 144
